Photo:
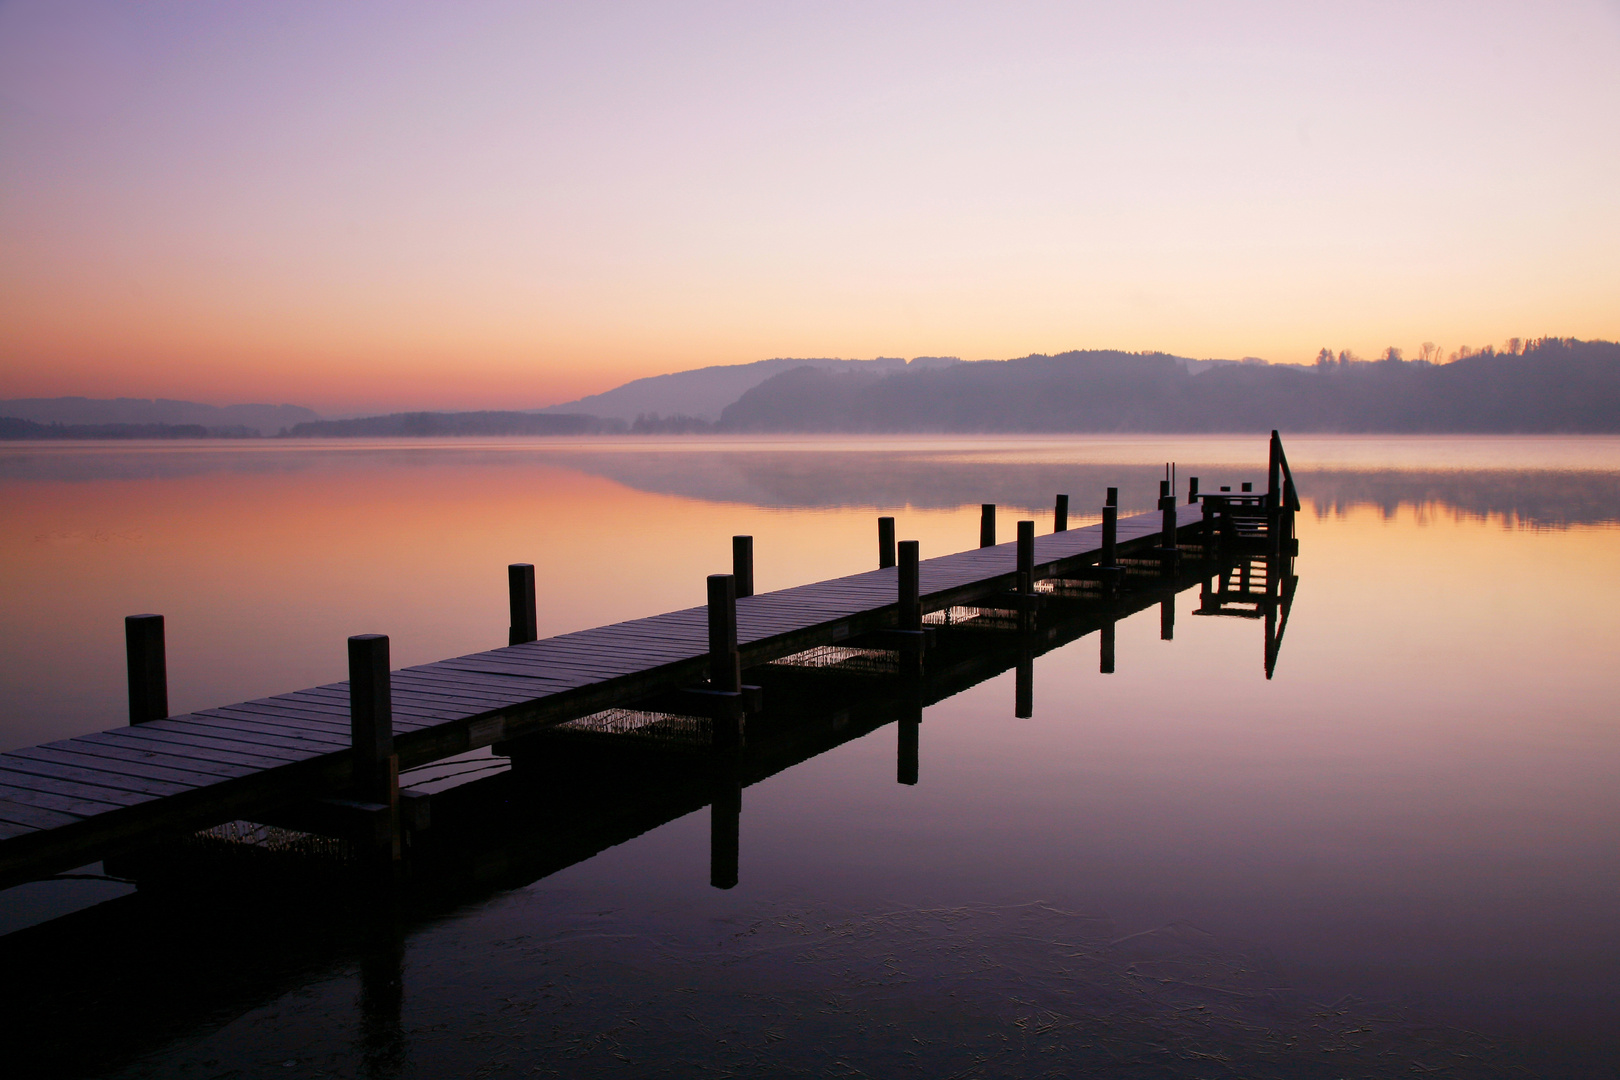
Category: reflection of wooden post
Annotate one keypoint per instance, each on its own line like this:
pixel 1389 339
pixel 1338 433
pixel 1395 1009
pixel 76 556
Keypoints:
pixel 371 729
pixel 1106 663
pixel 147 668
pixel 987 525
pixel 520 597
pixel 1110 536
pixel 1060 515
pixel 1024 686
pixel 725 828
pixel 910 726
pixel 1167 619
pixel 742 564
pixel 382 994
pixel 885 542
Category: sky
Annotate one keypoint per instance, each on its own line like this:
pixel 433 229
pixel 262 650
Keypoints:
pixel 368 206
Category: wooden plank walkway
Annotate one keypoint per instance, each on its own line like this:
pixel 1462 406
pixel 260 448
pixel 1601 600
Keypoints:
pixel 70 802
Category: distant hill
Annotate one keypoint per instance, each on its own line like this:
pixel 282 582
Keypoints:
pixel 12 428
pixel 458 423
pixel 702 394
pixel 260 419
pixel 1554 385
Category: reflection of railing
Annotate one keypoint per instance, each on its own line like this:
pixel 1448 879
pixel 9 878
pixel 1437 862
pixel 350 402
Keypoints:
pixel 1255 588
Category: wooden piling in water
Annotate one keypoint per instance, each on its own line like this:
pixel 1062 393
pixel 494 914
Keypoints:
pixel 742 564
pixel 371 730
pixel 1112 497
pixel 910 587
pixel 147 668
pixel 525 625
pixel 987 525
pixel 1110 535
pixel 1060 514
pixel 885 542
pixel 1192 490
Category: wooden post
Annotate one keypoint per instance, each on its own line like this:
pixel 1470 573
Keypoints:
pixel 742 564
pixel 910 587
pixel 1024 686
pixel 1026 576
pixel 1112 498
pixel 725 667
pixel 1060 515
pixel 371 729
pixel 1110 537
pixel 1246 486
pixel 987 525
pixel 1167 619
pixel 725 828
pixel 885 542
pixel 1106 663
pixel 1164 489
pixel 520 590
pixel 1192 489
pixel 371 711
pixel 1167 527
pixel 147 668
pixel 1274 496
pixel 1026 558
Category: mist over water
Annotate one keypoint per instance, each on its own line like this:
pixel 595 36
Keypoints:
pixel 1402 848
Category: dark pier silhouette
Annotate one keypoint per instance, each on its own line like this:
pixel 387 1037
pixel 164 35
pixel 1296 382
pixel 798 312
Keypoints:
pixel 327 760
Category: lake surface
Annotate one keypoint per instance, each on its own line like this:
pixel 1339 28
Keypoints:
pixel 1399 853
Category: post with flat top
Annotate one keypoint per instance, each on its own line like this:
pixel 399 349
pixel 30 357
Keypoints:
pixel 1167 534
pixel 1026 576
pixel 885 542
pixel 371 729
pixel 1192 490
pixel 520 590
pixel 725 665
pixel 910 587
pixel 148 668
pixel 987 525
pixel 742 564
pixel 1112 498
pixel 1060 514
pixel 1274 495
pixel 1110 536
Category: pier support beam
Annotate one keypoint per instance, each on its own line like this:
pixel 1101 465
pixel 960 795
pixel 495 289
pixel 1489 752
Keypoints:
pixel 987 525
pixel 520 593
pixel 1026 576
pixel 1168 550
pixel 148 668
pixel 885 542
pixel 1060 514
pixel 371 730
pixel 742 564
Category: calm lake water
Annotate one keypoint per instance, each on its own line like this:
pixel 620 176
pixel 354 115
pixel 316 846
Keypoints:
pixel 1399 854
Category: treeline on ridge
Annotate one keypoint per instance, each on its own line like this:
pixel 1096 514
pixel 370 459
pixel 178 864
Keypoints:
pixel 1552 385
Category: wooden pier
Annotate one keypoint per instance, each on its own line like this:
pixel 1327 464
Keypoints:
pixel 329 757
